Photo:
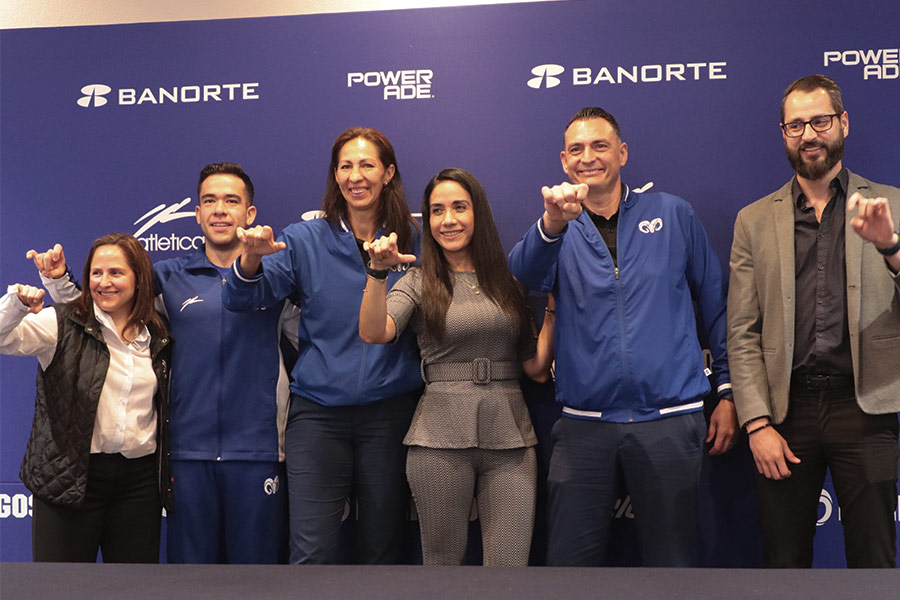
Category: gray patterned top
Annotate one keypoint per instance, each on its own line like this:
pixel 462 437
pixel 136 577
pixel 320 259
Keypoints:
pixel 464 414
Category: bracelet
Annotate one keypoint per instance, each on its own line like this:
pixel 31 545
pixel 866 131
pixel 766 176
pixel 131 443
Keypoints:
pixel 759 428
pixel 892 250
pixel 380 274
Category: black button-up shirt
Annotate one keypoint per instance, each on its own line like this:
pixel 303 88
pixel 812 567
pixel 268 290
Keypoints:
pixel 821 334
pixel 607 229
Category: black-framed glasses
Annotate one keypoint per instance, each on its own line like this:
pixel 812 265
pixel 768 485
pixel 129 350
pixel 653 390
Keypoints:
pixel 819 123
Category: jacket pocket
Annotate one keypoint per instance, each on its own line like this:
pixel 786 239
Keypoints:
pixel 887 338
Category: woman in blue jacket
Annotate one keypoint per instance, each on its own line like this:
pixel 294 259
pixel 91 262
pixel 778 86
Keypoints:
pixel 351 403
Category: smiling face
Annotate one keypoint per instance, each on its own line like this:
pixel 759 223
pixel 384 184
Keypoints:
pixel 224 206
pixel 452 220
pixel 594 155
pixel 814 155
pixel 112 282
pixel 360 174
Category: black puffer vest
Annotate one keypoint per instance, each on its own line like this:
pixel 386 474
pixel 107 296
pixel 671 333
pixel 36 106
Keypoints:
pixel 55 467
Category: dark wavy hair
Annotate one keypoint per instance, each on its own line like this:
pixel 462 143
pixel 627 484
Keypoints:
pixel 811 83
pixel 393 211
pixel 494 278
pixel 142 311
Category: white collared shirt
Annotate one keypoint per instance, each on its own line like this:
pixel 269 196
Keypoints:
pixel 126 418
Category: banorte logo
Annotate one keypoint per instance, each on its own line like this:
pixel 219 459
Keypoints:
pixel 545 76
pixel 94 95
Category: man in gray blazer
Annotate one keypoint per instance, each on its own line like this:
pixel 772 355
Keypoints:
pixel 814 339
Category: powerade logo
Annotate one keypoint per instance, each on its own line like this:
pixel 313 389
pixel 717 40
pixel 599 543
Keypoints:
pixel 155 242
pixel 94 95
pixel 883 63
pixel 405 84
pixel 551 75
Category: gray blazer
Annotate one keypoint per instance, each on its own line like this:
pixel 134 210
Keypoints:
pixel 761 309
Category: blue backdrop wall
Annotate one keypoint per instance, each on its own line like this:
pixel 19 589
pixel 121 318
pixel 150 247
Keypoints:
pixel 106 128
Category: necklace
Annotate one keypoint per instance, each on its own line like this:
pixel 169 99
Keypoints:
pixel 473 286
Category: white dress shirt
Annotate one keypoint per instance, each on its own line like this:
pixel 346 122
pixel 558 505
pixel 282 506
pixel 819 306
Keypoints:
pixel 126 418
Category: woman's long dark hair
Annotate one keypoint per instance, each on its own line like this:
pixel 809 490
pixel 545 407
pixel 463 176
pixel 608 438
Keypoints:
pixel 142 310
pixel 393 211
pixel 494 278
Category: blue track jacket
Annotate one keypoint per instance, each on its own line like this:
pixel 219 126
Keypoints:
pixel 229 392
pixel 322 270
pixel 626 339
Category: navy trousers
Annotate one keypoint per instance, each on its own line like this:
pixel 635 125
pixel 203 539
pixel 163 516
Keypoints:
pixel 334 453
pixel 660 462
pixel 228 512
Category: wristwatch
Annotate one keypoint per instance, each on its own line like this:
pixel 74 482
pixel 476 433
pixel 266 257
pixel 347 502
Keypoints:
pixel 376 273
pixel 891 250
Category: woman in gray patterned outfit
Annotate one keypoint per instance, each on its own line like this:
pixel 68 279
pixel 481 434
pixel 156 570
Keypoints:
pixel 471 435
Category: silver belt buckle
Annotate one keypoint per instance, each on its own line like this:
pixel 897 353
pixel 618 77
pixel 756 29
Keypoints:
pixel 481 370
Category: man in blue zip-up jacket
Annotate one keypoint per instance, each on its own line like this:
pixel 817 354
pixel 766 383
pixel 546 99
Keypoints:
pixel 626 269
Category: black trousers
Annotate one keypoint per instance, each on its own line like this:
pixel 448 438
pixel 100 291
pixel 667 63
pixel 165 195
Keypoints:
pixel 120 516
pixel 827 429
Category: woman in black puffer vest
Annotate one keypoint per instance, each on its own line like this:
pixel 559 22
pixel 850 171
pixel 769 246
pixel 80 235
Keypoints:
pixel 96 461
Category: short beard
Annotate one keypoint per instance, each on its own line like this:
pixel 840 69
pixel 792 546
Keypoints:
pixel 819 168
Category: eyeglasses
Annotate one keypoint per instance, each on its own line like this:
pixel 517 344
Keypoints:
pixel 820 123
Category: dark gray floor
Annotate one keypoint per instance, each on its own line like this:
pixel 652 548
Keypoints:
pixel 21 581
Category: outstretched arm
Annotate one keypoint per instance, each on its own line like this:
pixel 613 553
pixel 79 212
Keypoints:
pixel 533 259
pixel 873 223
pixel 25 329
pixel 257 242
pixel 375 325
pixel 55 275
pixel 50 264
pixel 562 203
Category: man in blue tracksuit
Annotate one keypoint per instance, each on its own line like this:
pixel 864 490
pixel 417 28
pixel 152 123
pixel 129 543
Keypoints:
pixel 626 269
pixel 229 396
